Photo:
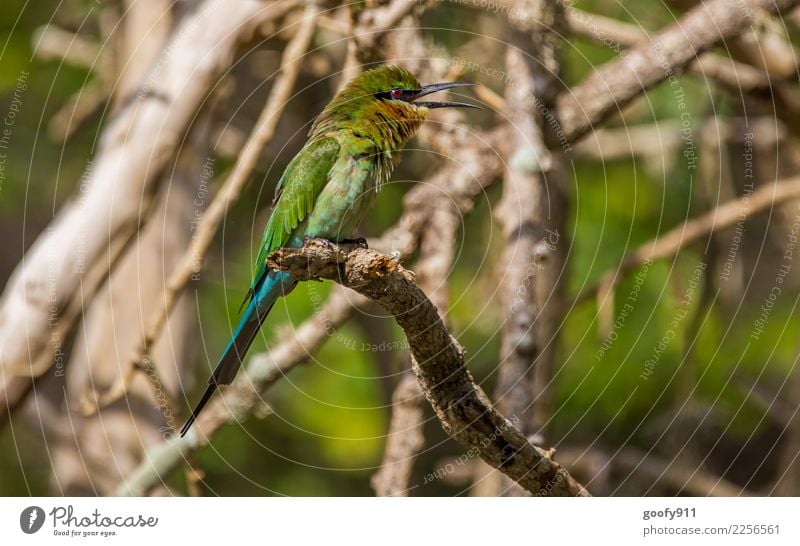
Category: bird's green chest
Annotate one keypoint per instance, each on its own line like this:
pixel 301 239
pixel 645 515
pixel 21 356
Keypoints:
pixel 349 194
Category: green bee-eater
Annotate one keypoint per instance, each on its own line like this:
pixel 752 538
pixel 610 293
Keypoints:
pixel 328 187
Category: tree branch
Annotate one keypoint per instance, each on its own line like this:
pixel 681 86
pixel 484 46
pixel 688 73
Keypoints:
pixel 736 77
pixel 438 361
pixel 690 231
pixel 618 82
pixel 403 441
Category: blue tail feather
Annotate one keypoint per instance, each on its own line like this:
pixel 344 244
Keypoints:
pixel 266 292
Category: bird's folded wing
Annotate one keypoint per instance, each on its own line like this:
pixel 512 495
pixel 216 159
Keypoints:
pixel 295 194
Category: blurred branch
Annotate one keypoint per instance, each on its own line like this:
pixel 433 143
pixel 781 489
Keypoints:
pixel 462 408
pixel 242 397
pixel 76 111
pixel 519 215
pixel 692 230
pixel 191 262
pixel 693 481
pixel 522 211
pixel 612 86
pixel 660 139
pixel 48 286
pixel 111 319
pixel 737 77
pixel 733 75
pixel 369 27
pixel 15 390
pixel 596 465
pixel 788 480
pixel 403 441
pixel 53 43
pixel 138 44
pixel 765 46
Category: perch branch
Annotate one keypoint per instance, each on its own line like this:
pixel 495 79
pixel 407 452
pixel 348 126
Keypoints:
pixel 438 361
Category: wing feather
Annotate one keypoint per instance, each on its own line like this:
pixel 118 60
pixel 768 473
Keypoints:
pixel 295 195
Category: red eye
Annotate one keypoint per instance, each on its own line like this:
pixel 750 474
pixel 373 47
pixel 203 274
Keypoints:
pixel 396 93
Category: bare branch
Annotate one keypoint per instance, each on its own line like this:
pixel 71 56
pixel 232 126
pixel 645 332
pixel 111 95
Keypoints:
pixel 463 409
pixel 694 481
pixel 404 440
pixel 787 482
pixel 369 28
pixel 765 46
pixel 519 214
pixel 618 82
pixel 54 43
pixel 735 76
pixel 659 140
pixel 692 230
pixel 596 465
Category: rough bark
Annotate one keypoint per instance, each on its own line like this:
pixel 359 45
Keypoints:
pixel 462 408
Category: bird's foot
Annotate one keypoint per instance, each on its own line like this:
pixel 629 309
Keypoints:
pixel 319 240
pixel 360 242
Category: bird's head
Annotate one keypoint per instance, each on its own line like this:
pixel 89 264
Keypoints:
pixel 383 104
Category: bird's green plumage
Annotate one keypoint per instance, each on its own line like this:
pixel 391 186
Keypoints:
pixel 298 188
pixel 350 148
pixel 327 188
pixel 360 115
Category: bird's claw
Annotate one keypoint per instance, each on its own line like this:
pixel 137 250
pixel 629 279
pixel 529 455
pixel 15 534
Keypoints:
pixel 360 242
pixel 319 240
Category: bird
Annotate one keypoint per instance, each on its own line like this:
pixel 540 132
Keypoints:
pixel 328 187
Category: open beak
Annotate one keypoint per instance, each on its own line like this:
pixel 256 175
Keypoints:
pixel 428 89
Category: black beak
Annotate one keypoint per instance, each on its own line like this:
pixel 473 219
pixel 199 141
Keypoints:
pixel 428 89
